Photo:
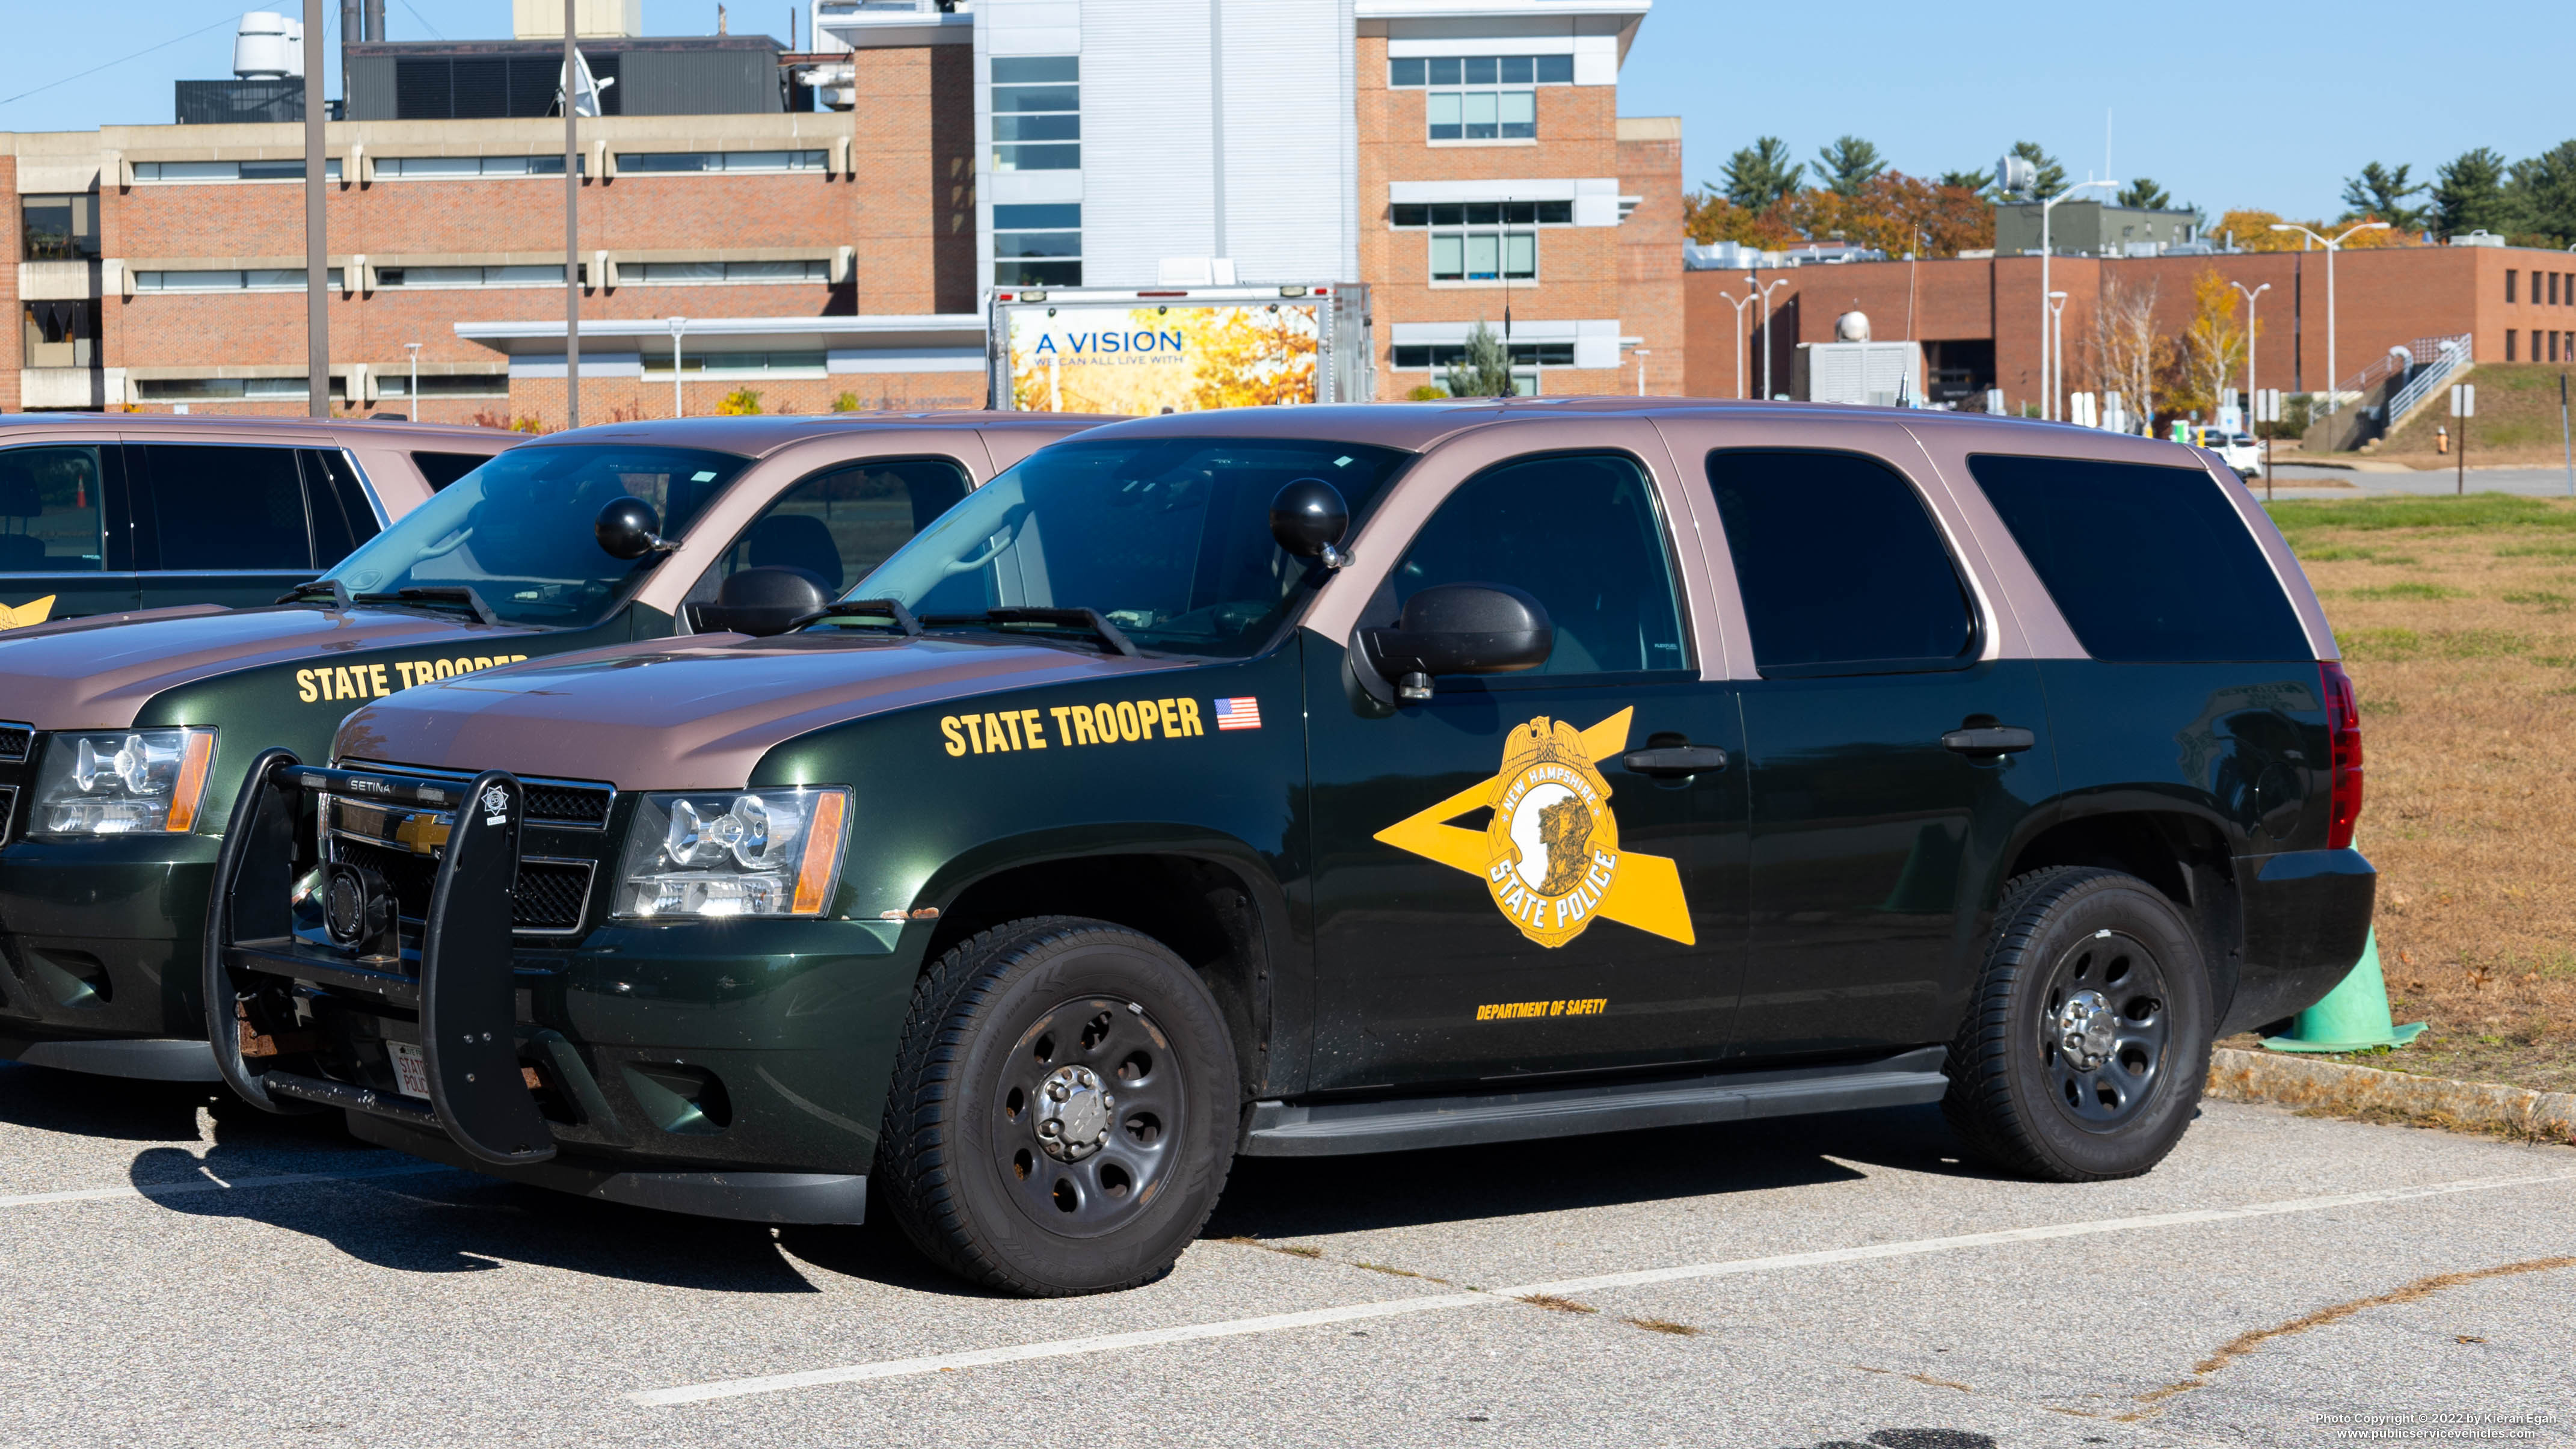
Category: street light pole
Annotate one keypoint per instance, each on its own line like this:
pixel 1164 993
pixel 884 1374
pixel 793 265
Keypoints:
pixel 2056 354
pixel 1641 354
pixel 317 248
pixel 1739 304
pixel 2334 379
pixel 2249 338
pixel 414 393
pixel 2047 357
pixel 1765 295
pixel 572 224
pixel 678 326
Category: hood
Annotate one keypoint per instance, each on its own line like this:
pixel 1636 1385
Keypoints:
pixel 92 676
pixel 692 718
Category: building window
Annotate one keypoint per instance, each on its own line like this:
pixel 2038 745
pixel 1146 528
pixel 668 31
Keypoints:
pixel 230 170
pixel 415 278
pixel 59 228
pixel 2509 275
pixel 447 385
pixel 1037 113
pixel 227 389
pixel 1485 213
pixel 1037 246
pixel 1523 354
pixel 415 167
pixel 2509 335
pixel 703 273
pixel 1484 256
pixel 60 334
pixel 697 162
pixel 1481 97
pixel 737 364
pixel 260 279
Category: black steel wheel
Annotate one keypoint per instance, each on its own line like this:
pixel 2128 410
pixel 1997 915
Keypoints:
pixel 1063 1109
pixel 2087 1042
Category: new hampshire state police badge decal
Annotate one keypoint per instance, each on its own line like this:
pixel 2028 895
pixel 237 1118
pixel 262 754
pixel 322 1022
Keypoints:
pixel 1550 855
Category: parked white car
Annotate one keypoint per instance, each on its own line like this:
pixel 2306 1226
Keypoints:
pixel 2238 450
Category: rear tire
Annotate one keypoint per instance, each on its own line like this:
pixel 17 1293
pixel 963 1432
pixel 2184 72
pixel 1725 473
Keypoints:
pixel 2087 1043
pixel 1063 1111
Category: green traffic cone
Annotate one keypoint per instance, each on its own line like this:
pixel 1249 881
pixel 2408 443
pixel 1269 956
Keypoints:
pixel 2353 1017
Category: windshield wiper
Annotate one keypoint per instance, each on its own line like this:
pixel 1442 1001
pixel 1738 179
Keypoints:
pixel 1088 620
pixel 332 589
pixel 436 596
pixel 859 611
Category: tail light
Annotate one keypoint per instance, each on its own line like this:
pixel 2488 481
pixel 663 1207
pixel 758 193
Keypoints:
pixel 2343 745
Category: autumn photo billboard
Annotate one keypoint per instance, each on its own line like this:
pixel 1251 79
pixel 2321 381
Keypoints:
pixel 1144 360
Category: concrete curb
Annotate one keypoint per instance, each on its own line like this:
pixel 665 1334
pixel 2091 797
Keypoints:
pixel 2289 1081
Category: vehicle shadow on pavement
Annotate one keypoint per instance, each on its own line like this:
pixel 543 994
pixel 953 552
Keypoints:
pixel 120 1110
pixel 1284 1197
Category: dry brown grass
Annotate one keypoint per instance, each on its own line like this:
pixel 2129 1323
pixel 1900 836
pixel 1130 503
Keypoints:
pixel 2460 634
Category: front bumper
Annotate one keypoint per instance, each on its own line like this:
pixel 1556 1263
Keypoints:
pixel 725 1068
pixel 102 938
pixel 2307 918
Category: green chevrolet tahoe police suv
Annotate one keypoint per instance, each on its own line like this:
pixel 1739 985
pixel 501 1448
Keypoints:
pixel 124 740
pixel 1333 780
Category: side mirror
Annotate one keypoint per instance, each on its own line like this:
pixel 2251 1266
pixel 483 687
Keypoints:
pixel 1308 518
pixel 1461 629
pixel 626 529
pixel 766 601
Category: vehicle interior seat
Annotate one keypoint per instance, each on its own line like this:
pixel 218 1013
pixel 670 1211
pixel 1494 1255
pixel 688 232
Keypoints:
pixel 796 541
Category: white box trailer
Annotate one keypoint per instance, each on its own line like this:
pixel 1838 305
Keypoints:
pixel 1875 374
pixel 1179 349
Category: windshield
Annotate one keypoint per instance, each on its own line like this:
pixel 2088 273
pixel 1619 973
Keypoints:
pixel 518 530
pixel 1169 538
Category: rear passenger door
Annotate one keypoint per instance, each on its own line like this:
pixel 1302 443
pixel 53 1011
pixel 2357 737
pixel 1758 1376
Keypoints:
pixel 838 525
pixel 63 540
pixel 238 524
pixel 1881 808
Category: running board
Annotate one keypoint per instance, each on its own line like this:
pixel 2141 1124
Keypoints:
pixel 1332 1129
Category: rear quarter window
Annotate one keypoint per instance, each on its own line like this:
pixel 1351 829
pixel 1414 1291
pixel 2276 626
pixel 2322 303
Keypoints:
pixel 441 469
pixel 2149 564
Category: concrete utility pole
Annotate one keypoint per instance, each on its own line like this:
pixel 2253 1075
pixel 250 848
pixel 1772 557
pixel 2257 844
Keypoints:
pixel 572 224
pixel 2334 379
pixel 317 248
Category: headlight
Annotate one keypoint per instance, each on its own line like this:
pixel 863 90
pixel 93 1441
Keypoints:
pixel 124 782
pixel 732 853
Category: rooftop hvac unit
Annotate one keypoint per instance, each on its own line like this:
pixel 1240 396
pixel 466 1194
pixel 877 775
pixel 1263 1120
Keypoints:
pixel 1874 374
pixel 268 47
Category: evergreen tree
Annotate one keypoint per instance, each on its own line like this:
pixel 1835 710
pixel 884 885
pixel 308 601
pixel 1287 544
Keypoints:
pixel 1761 174
pixel 1486 370
pixel 2379 193
pixel 1972 181
pixel 2542 195
pixel 2468 193
pixel 2052 177
pixel 2146 195
pixel 1848 164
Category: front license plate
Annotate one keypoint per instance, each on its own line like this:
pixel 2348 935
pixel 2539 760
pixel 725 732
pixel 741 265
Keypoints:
pixel 411 1069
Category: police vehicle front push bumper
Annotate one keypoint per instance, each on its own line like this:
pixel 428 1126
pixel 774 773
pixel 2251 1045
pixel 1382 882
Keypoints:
pixel 504 1095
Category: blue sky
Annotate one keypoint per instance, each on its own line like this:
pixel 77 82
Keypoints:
pixel 2223 104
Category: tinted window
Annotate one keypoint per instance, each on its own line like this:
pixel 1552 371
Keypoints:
pixel 2146 563
pixel 1578 532
pixel 1169 538
pixel 838 525
pixel 49 511
pixel 519 529
pixel 342 517
pixel 1841 566
pixel 441 469
pixel 227 508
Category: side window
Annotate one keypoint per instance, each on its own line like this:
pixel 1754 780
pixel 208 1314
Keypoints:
pixel 227 508
pixel 1578 531
pixel 50 510
pixel 1841 566
pixel 2148 564
pixel 342 517
pixel 441 469
pixel 839 525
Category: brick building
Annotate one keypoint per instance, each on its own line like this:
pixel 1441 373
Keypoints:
pixel 1469 164
pixel 1979 319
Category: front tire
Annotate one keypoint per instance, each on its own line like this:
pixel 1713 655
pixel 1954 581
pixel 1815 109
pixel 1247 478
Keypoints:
pixel 2087 1044
pixel 1063 1111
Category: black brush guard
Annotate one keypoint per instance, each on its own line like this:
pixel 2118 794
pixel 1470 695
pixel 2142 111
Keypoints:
pixel 464 992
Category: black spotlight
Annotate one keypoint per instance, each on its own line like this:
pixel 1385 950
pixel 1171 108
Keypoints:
pixel 358 912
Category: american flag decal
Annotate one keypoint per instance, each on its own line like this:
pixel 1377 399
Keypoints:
pixel 1243 712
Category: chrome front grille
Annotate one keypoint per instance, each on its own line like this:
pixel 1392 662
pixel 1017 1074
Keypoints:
pixel 402 844
pixel 554 804
pixel 15 741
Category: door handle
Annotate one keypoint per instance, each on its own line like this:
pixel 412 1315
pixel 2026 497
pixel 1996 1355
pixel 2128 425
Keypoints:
pixel 1989 741
pixel 1673 762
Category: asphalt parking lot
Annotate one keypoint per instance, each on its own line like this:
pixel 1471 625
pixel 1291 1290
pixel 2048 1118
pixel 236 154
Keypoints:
pixel 184 1271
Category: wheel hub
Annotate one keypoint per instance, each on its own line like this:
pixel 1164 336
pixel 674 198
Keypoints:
pixel 2086 1030
pixel 1073 1114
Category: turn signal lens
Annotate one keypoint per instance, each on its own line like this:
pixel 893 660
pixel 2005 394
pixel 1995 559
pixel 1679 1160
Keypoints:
pixel 2343 740
pixel 191 788
pixel 822 853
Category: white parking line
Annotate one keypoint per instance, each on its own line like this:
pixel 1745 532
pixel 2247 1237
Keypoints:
pixel 238 1184
pixel 1231 1328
